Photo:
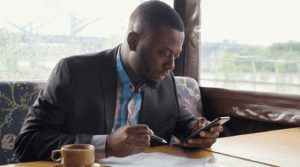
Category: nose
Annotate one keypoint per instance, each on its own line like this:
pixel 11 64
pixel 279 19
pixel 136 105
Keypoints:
pixel 170 64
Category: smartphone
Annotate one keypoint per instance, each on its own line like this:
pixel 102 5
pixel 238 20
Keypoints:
pixel 216 122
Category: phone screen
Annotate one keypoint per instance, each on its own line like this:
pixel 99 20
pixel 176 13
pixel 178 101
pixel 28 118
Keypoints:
pixel 216 122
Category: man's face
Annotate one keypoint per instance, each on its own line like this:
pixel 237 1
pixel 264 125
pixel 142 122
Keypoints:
pixel 157 56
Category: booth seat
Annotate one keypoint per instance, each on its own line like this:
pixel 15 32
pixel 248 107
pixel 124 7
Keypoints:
pixel 17 97
pixel 15 100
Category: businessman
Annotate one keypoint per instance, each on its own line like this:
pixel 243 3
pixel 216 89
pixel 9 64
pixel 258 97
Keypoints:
pixel 92 98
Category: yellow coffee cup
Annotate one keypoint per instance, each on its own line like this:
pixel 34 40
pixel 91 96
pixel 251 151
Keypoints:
pixel 76 155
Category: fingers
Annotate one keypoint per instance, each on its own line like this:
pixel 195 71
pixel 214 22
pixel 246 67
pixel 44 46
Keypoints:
pixel 140 128
pixel 138 141
pixel 200 143
pixel 139 150
pixel 198 146
pixel 212 132
pixel 202 122
pixel 218 129
pixel 139 144
pixel 207 122
pixel 141 137
pixel 204 141
pixel 209 134
pixel 128 140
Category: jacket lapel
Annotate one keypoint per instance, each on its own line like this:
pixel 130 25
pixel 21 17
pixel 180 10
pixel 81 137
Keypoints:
pixel 110 82
pixel 146 115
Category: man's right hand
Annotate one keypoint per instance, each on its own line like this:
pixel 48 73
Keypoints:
pixel 128 140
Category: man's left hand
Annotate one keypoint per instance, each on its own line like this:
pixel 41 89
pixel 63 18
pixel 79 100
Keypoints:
pixel 208 138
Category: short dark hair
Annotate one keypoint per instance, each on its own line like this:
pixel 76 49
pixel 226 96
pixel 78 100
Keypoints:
pixel 156 13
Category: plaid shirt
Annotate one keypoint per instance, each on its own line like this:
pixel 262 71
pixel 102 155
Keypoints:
pixel 128 107
pixel 129 98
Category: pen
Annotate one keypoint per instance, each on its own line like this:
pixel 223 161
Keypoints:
pixel 154 136
pixel 158 139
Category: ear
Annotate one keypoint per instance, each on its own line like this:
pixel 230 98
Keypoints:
pixel 132 40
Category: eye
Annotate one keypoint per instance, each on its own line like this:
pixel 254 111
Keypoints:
pixel 177 56
pixel 164 54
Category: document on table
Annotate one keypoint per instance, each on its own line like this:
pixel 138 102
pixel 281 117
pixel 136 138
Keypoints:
pixel 156 159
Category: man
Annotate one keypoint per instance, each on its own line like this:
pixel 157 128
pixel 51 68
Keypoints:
pixel 93 98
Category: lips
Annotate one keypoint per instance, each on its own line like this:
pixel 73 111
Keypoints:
pixel 164 73
pixel 161 75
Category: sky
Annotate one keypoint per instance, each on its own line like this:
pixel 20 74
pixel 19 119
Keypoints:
pixel 110 12
pixel 254 22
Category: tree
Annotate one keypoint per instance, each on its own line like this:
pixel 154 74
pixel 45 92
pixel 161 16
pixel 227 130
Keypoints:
pixel 294 46
pixel 10 51
pixel 252 51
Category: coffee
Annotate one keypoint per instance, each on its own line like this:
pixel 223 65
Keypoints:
pixel 75 148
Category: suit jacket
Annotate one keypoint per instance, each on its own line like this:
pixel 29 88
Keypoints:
pixel 79 101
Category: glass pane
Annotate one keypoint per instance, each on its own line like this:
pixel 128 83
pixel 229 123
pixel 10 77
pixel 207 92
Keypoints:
pixel 251 45
pixel 36 34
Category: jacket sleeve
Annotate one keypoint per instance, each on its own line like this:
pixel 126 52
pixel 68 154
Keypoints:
pixel 42 130
pixel 185 119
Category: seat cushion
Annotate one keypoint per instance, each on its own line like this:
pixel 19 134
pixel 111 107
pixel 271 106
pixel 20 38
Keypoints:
pixel 15 100
pixel 189 90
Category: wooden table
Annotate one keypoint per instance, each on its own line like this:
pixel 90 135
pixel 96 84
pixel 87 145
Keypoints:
pixel 279 147
pixel 217 159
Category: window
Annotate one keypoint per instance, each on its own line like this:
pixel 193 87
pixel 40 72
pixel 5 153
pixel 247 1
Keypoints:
pixel 250 45
pixel 36 34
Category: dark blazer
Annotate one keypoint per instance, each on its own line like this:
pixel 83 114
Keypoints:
pixel 79 101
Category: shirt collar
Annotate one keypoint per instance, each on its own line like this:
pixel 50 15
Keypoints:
pixel 124 80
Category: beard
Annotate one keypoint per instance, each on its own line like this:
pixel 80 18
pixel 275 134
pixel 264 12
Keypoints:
pixel 143 69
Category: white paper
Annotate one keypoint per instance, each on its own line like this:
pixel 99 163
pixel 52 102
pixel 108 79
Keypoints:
pixel 213 165
pixel 156 159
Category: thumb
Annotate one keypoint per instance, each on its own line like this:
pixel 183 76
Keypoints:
pixel 200 123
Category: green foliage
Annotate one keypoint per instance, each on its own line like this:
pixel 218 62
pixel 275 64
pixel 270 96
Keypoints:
pixel 32 60
pixel 292 46
pixel 264 67
pixel 278 51
pixel 251 51
pixel 284 51
pixel 227 66
pixel 279 47
pixel 9 51
pixel 265 74
pixel 279 59
pixel 243 67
